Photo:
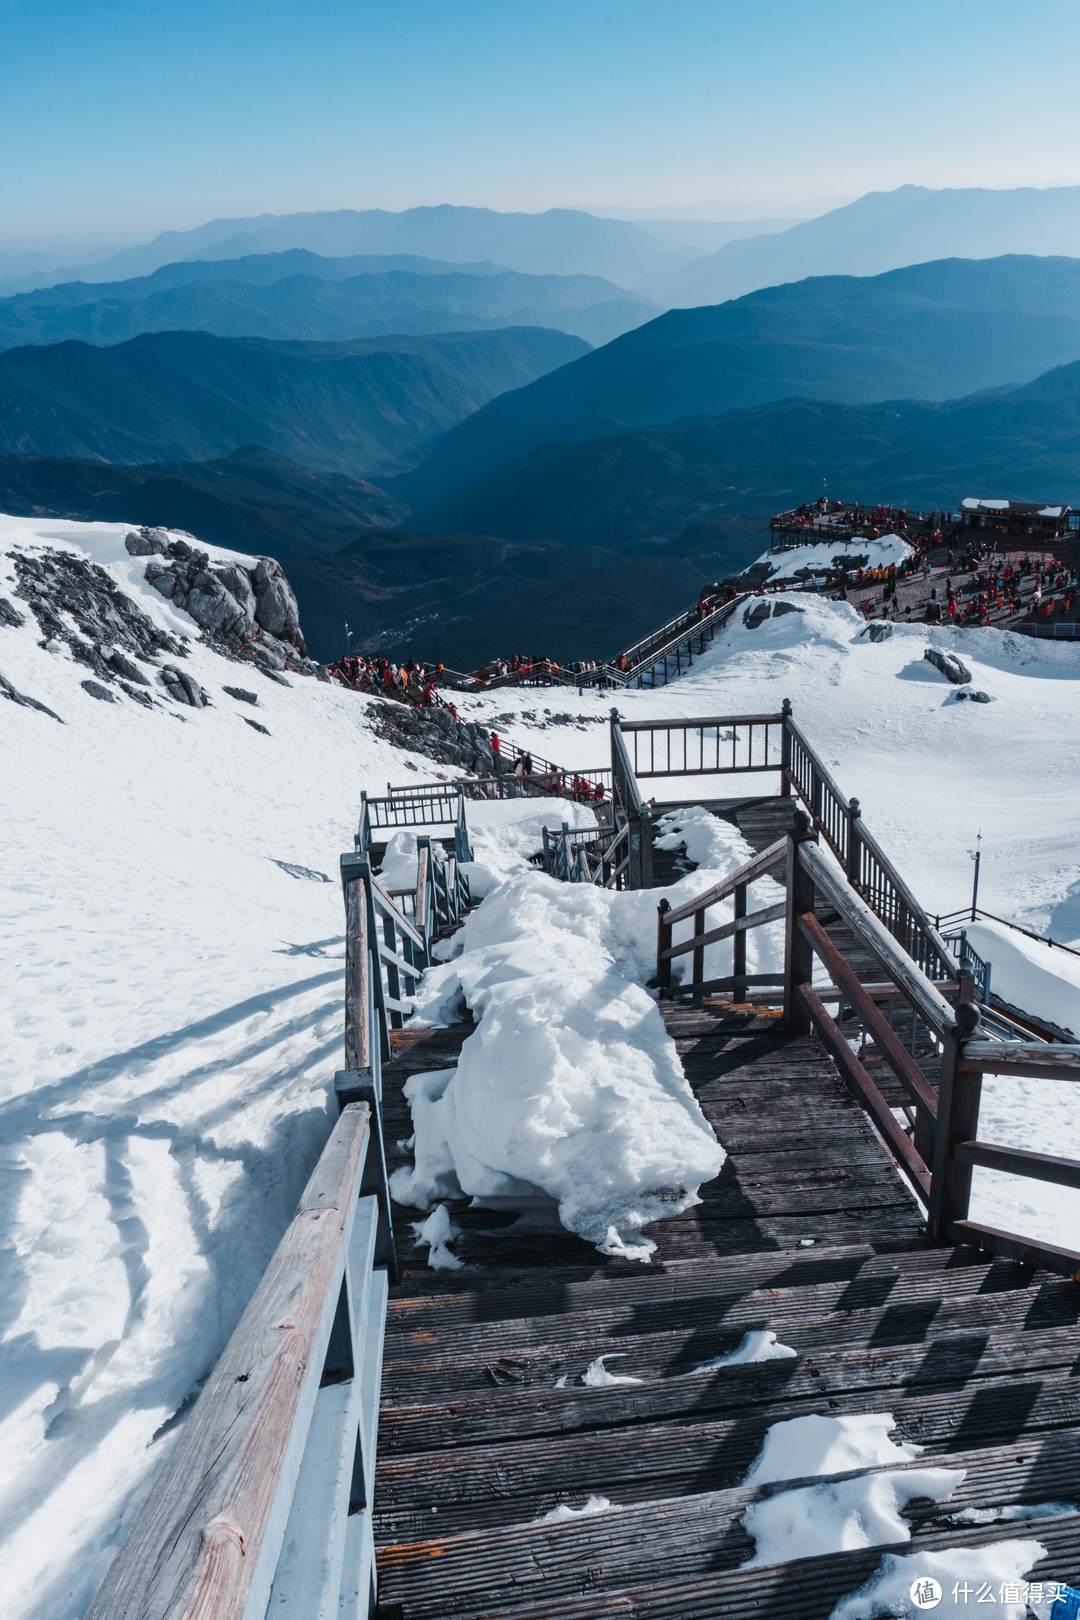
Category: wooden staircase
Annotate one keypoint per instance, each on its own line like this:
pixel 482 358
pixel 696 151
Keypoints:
pixel 808 1231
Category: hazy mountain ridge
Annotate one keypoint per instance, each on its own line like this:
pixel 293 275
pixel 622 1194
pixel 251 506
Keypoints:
pixel 252 500
pixel 367 407
pixel 884 230
pixel 931 331
pixel 301 295
pixel 560 241
pixel 723 475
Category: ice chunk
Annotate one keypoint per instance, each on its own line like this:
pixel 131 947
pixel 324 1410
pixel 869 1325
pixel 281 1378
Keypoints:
pixel 802 1446
pixel 841 1517
pixel 757 1345
pixel 949 1580
pixel 596 1375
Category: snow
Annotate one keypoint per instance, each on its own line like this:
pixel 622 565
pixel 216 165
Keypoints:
pixel 835 553
pixel 804 1446
pixel 596 1375
pixel 757 1345
pixel 570 1086
pixel 172 1019
pixel 169 1032
pixel 888 1592
pixel 561 1512
pixel 436 1232
pixel 841 1517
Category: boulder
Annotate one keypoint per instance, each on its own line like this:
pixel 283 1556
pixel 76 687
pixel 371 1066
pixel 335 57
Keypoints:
pixel 147 543
pixel 116 660
pixel 183 688
pixel 240 694
pixel 879 632
pixel 780 608
pixel 96 690
pixel 276 611
pixel 24 702
pixel 756 614
pixel 952 667
pixel 9 614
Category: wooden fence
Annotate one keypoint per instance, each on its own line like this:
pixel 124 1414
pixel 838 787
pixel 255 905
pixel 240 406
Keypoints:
pixel 264 1505
pixel 940 1148
pixel 773 743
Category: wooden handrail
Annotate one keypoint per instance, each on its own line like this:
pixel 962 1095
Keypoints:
pixel 696 725
pixel 895 961
pixel 1040 1059
pixel 357 1032
pixel 903 1065
pixel 757 868
pixel 207 1540
pixel 867 1093
pixel 1021 1162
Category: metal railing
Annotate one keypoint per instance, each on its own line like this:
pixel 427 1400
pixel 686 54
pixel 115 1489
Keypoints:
pixel 440 805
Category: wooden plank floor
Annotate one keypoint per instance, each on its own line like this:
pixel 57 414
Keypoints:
pixel 485 1426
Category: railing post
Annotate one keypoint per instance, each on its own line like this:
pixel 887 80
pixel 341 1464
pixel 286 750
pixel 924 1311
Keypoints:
pixel 959 1095
pixel 738 988
pixel 785 749
pixel 854 844
pixel 547 849
pixel 699 954
pixel 798 952
pixel 645 825
pixel 663 943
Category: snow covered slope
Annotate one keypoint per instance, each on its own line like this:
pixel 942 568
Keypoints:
pixel 171 924
pixel 171 1019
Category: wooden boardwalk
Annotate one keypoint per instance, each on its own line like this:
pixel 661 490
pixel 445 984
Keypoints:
pixel 976 1359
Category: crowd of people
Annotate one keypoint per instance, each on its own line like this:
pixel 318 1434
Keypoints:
pixel 871 521
pixel 410 682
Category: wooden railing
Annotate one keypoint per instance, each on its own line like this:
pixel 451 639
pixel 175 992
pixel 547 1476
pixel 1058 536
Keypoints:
pixel 763 743
pixel 633 816
pixel 265 1504
pixel 940 1148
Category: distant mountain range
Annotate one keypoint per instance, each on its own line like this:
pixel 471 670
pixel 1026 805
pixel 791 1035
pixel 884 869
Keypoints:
pixel 363 408
pixel 302 295
pixel 252 500
pixel 561 241
pixel 885 230
pixel 721 476
pixel 932 331
pixel 577 548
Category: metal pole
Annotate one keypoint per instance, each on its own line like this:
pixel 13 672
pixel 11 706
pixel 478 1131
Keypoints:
pixel 975 884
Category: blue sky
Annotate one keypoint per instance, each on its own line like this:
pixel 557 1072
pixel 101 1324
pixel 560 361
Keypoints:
pixel 122 117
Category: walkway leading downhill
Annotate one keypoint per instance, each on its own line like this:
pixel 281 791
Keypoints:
pixel 808 1231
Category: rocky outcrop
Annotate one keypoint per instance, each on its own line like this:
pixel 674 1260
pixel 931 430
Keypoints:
pixel 235 605
pixel 183 688
pixel 435 732
pixel 15 696
pixel 110 632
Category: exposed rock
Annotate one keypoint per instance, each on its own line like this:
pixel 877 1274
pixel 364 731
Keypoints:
pixel 189 584
pixel 61 588
pixel 272 675
pixel 276 611
pixel 9 691
pixel 147 542
pixel 879 631
pixel 9 614
pixel 241 607
pixel 183 688
pixel 115 659
pixel 953 668
pixel 780 608
pixel 96 690
pixel 434 731
pixel 138 694
pixel 981 697
pixel 756 614
pixel 255 726
pixel 240 695
pixel 268 657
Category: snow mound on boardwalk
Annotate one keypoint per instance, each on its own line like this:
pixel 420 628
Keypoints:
pixel 571 1085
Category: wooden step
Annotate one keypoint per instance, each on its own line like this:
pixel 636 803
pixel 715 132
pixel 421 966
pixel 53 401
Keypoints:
pixel 685 1537
pixel 810 1590
pixel 510 1483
